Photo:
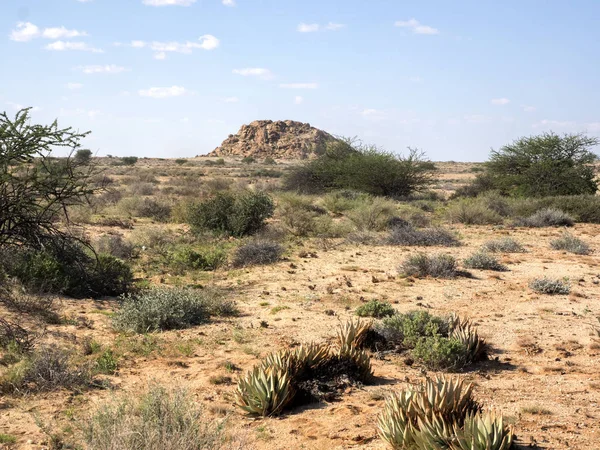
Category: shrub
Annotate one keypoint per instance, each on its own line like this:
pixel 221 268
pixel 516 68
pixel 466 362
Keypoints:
pixel 209 258
pixel 371 214
pixel 71 272
pixel 160 418
pixel 257 253
pixel 107 363
pixel 571 244
pixel 544 165
pixel 160 309
pixel 181 161
pixel 298 213
pixel 504 245
pixel 550 286
pixel 248 159
pixel 436 266
pixel 427 237
pixel 237 214
pixel 471 212
pixel 129 160
pixel 345 165
pixel 484 261
pixel 269 161
pixel 83 156
pixel 47 369
pixel 115 245
pixel 548 217
pixel 439 343
pixel 376 309
pixel 153 209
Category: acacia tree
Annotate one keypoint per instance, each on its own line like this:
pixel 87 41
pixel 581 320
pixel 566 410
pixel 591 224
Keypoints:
pixel 36 189
pixel 544 165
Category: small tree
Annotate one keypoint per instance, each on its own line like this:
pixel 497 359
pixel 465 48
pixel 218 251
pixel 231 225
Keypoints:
pixel 544 165
pixel 83 156
pixel 347 165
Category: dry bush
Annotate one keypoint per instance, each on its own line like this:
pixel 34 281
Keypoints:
pixel 484 261
pixel 472 212
pixel 259 252
pixel 407 235
pixel 548 217
pixel 571 244
pixel 436 266
pixel 550 286
pixel 504 245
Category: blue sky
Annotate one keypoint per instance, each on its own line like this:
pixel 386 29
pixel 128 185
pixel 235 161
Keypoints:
pixel 173 78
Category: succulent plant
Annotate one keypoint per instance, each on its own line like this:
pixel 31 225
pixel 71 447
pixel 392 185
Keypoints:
pixel 395 421
pixel 362 361
pixel 264 391
pixel 464 331
pixel 483 431
pixel 352 334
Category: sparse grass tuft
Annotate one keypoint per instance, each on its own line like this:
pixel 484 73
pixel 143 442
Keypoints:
pixel 258 253
pixel 550 286
pixel 407 235
pixel 571 244
pixel 548 217
pixel 436 266
pixel 158 419
pixel 503 245
pixel 484 261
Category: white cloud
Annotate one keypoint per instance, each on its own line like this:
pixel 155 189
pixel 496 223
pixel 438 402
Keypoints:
pixel 373 114
pixel 314 27
pixel 416 27
pixel 168 2
pixel 74 86
pixel 109 68
pixel 334 26
pixel 62 33
pixel 160 55
pixel 298 99
pixel 228 2
pixel 231 99
pixel 136 44
pixel 81 46
pixel 25 31
pixel 84 1
pixel 308 27
pixel 163 92
pixel 528 108
pixel 500 101
pixel 259 72
pixel 299 85
pixel 206 42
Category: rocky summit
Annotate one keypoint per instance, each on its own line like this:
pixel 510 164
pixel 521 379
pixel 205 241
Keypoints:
pixel 283 139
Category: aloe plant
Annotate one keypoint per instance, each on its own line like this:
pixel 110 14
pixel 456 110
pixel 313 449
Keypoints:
pixel 264 391
pixel 484 431
pixel 352 334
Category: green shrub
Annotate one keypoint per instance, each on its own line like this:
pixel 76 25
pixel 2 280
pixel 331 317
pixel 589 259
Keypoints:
pixel 208 258
pixel 550 286
pixel 345 165
pixel 545 165
pixel 269 161
pixel 158 419
pixel 436 266
pixel 248 159
pixel 71 271
pixel 298 213
pixel 107 363
pixel 371 214
pixel 571 244
pixel 375 308
pixel 266 173
pixel 238 214
pixel 181 161
pixel 439 343
pixel 484 261
pixel 83 156
pixel 503 245
pixel 472 212
pixel 548 217
pixel 160 309
pixel 407 235
pixel 258 252
pixel 7 439
pixel 129 160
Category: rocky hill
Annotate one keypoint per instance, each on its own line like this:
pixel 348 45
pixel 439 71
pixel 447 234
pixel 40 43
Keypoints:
pixel 283 139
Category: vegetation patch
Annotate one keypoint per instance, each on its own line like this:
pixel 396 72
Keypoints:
pixel 484 261
pixel 428 237
pixel 550 286
pixel 160 309
pixel 260 252
pixel 548 217
pixel 503 245
pixel 376 309
pixel 436 266
pixel 571 244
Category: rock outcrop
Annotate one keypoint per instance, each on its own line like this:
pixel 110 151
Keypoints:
pixel 282 139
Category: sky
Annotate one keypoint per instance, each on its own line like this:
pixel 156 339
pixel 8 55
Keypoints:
pixel 173 78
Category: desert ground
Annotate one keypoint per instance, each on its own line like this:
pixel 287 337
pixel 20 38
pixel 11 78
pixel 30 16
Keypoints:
pixel 541 372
